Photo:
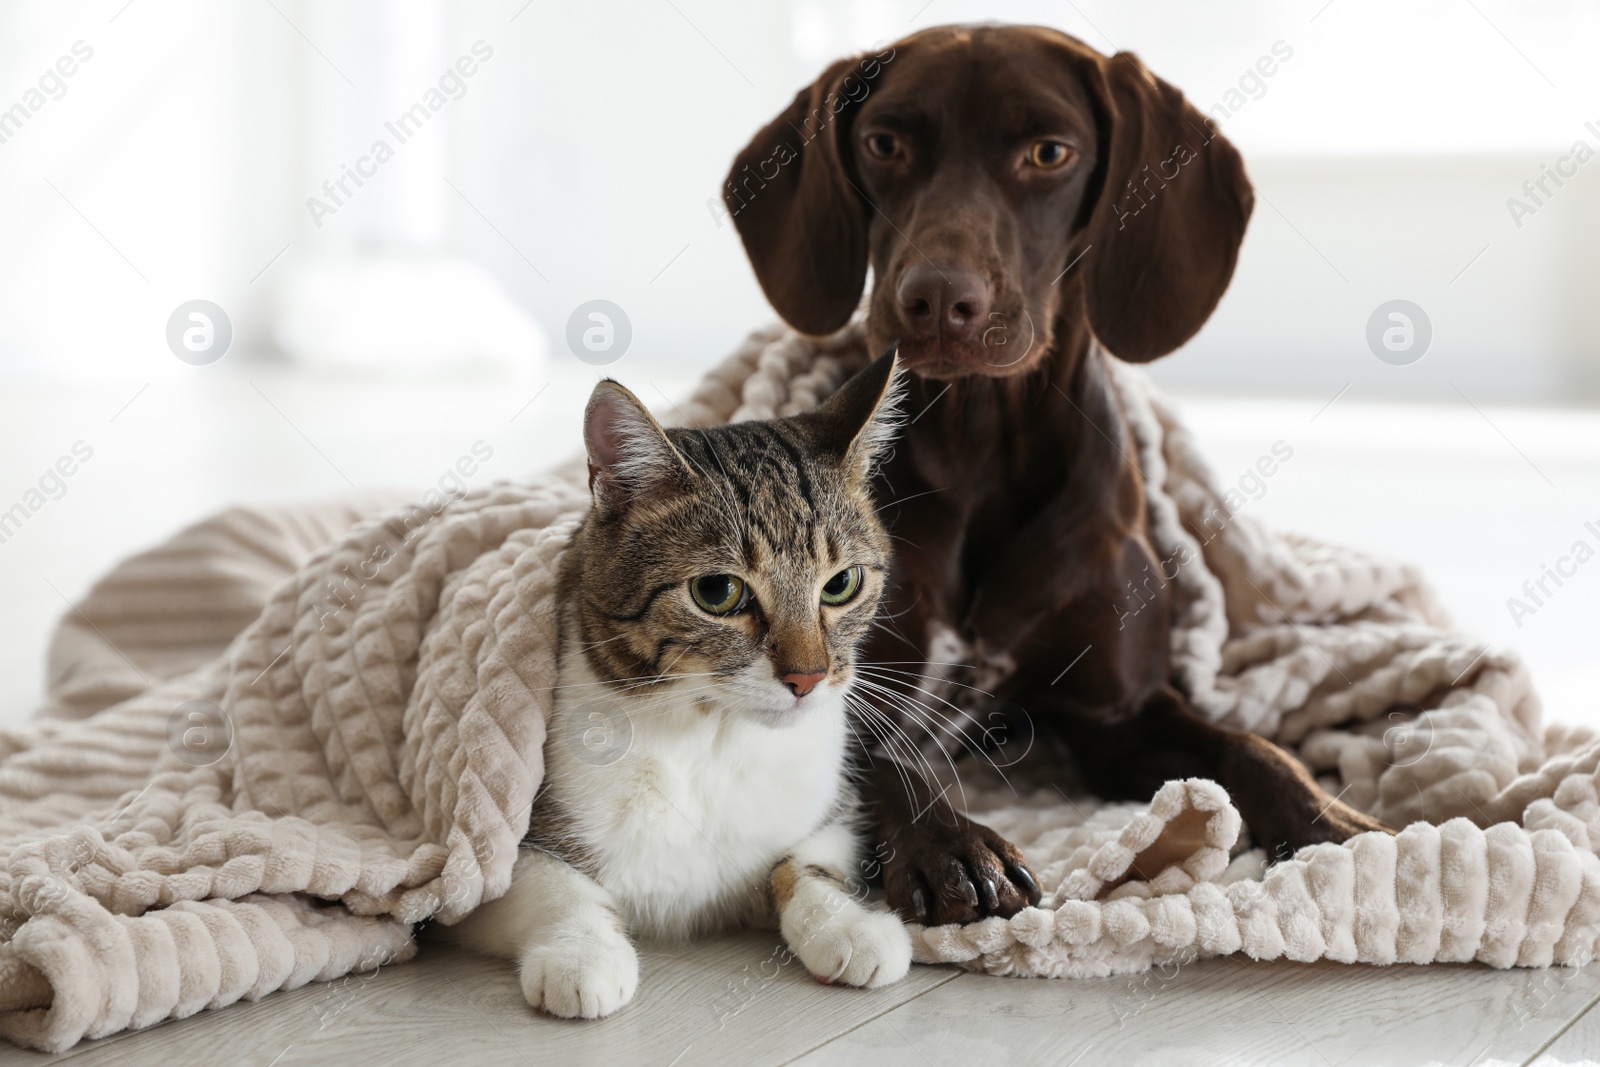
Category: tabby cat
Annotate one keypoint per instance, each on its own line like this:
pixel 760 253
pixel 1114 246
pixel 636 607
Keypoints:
pixel 695 775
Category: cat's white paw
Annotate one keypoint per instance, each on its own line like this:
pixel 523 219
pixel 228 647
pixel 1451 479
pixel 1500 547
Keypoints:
pixel 858 947
pixel 580 981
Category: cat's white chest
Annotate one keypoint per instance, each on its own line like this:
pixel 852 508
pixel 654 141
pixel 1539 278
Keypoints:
pixel 682 808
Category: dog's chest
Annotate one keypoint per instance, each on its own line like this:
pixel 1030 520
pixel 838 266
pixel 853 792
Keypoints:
pixel 961 674
pixel 1000 538
pixel 970 556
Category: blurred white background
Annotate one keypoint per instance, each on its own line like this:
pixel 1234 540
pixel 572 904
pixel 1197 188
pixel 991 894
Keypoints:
pixel 379 334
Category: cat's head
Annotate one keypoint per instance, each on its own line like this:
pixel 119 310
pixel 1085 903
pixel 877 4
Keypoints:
pixel 746 559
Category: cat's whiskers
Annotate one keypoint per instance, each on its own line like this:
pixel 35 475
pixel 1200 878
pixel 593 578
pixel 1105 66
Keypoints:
pixel 921 663
pixel 619 635
pixel 632 693
pixel 886 625
pixel 905 541
pixel 878 668
pixel 854 704
pixel 664 704
pixel 901 742
pixel 852 770
pixel 954 727
pixel 635 702
pixel 960 712
pixel 619 683
pixel 662 679
pixel 682 651
pixel 957 719
pixel 635 705
pixel 916 680
pixel 865 713
pixel 660 704
pixel 904 752
pixel 979 752
pixel 913 496
pixel 916 710
pixel 963 715
pixel 888 616
pixel 599 683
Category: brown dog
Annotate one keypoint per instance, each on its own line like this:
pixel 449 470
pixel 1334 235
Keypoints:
pixel 1019 197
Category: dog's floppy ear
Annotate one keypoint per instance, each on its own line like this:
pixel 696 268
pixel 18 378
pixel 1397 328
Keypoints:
pixel 1172 205
pixel 803 224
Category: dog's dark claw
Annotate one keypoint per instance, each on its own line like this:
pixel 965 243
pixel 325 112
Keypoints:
pixel 1023 880
pixel 955 871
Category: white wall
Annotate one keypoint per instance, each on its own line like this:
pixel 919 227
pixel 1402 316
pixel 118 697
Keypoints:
pixel 579 162
pixel 1513 309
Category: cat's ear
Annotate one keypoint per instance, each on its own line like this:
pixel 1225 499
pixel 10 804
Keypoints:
pixel 859 421
pixel 629 453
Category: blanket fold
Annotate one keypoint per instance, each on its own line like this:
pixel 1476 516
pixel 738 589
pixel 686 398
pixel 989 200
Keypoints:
pixel 274 743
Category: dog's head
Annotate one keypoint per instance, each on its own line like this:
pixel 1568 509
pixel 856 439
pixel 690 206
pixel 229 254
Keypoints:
pixel 1004 183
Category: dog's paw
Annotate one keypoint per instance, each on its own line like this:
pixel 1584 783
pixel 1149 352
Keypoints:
pixel 584 981
pixel 858 947
pixel 952 870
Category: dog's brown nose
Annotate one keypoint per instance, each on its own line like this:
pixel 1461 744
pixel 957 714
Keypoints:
pixel 947 302
pixel 802 682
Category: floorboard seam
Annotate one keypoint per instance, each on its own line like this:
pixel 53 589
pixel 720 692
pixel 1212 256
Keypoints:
pixel 1542 1049
pixel 874 1018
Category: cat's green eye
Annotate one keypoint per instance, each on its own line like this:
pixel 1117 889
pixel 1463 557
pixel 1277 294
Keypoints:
pixel 718 593
pixel 842 586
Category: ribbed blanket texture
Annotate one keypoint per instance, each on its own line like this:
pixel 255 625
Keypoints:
pixel 380 673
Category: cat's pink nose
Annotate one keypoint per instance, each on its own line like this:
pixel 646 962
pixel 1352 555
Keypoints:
pixel 802 682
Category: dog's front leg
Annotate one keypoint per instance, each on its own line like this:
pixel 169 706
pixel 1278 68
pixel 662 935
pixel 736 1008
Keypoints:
pixel 938 866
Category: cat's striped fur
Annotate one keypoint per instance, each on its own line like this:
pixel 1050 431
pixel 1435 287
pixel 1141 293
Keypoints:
pixel 695 772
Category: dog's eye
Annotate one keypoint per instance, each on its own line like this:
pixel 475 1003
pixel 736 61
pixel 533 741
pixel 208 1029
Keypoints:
pixel 1048 155
pixel 882 145
pixel 718 594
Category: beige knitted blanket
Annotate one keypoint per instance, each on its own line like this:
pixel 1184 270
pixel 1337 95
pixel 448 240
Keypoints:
pixel 277 741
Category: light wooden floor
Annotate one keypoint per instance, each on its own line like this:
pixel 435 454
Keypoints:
pixel 1481 504
pixel 728 1003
